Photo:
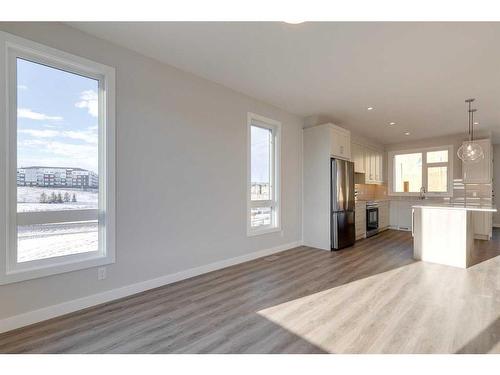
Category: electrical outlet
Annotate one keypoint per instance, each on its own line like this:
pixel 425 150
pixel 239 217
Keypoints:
pixel 101 273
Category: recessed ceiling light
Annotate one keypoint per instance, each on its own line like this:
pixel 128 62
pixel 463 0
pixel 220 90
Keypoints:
pixel 294 22
pixel 392 123
pixel 369 108
pixel 407 133
pixel 476 123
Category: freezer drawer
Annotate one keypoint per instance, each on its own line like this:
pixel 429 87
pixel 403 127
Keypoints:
pixel 343 229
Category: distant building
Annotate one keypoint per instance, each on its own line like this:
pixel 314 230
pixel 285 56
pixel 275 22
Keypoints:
pixel 57 177
pixel 260 191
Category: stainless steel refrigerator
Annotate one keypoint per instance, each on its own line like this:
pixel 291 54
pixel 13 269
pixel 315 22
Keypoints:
pixel 342 231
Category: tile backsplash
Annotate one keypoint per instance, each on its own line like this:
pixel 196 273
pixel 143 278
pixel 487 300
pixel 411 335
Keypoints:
pixel 462 193
pixel 366 192
pixel 470 193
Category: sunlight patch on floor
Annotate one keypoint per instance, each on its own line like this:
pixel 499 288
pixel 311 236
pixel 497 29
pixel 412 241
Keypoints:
pixel 418 308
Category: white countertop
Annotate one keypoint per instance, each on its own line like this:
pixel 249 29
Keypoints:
pixel 457 206
pixel 371 200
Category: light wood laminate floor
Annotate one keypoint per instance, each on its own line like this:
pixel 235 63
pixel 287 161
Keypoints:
pixel 372 298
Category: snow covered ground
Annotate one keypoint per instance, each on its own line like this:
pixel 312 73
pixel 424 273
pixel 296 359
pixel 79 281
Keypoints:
pixel 28 199
pixel 52 240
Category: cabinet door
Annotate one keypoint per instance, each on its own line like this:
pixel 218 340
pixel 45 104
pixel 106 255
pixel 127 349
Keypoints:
pixel 368 165
pixel 380 159
pixel 373 166
pixel 383 215
pixel 358 156
pixel 480 172
pixel 481 222
pixel 393 214
pixel 360 221
pixel 340 144
pixel 377 166
pixel 404 215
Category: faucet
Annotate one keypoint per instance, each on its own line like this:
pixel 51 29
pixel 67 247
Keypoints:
pixel 422 192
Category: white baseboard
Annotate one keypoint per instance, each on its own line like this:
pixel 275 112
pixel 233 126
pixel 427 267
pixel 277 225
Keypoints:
pixel 53 311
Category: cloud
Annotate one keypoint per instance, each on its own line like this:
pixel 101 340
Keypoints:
pixel 89 100
pixel 58 153
pixel 22 87
pixel 31 143
pixel 55 147
pixel 40 133
pixel 29 114
pixel 89 136
pixel 86 136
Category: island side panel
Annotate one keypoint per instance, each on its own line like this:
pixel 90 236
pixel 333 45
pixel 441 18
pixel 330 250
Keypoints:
pixel 442 236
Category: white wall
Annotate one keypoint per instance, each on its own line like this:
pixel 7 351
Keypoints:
pixel 181 173
pixel 496 183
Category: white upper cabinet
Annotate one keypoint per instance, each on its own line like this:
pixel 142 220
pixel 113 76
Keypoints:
pixel 370 161
pixel 481 171
pixel 358 157
pixel 379 167
pixel 374 167
pixel 340 142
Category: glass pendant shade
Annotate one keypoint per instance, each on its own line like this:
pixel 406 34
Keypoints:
pixel 470 152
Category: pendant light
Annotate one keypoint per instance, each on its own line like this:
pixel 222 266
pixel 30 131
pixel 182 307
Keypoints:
pixel 470 151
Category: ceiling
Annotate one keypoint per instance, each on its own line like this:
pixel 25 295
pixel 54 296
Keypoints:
pixel 414 74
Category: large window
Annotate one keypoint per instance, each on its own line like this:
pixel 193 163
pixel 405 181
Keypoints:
pixel 430 169
pixel 263 174
pixel 60 161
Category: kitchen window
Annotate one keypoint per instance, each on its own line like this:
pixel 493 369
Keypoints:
pixel 59 161
pixel 411 171
pixel 263 175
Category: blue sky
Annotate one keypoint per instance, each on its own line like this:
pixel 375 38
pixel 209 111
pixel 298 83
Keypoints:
pixel 56 118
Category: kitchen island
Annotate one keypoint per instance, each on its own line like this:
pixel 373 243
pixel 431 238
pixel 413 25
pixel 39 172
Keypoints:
pixel 443 233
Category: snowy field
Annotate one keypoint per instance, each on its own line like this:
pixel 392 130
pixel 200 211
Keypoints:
pixel 52 240
pixel 28 199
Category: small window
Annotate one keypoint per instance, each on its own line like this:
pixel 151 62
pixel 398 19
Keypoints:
pixel 408 172
pixel 429 169
pixel 61 173
pixel 437 156
pixel 263 181
pixel 437 179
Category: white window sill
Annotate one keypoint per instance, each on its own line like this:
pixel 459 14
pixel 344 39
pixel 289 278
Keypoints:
pixel 258 232
pixel 58 267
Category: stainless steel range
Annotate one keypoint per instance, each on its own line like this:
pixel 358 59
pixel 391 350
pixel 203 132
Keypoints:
pixel 371 218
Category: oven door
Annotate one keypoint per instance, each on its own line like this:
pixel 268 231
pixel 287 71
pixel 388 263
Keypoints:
pixel 371 220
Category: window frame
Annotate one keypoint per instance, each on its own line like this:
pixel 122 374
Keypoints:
pixel 425 167
pixel 275 128
pixel 11 48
